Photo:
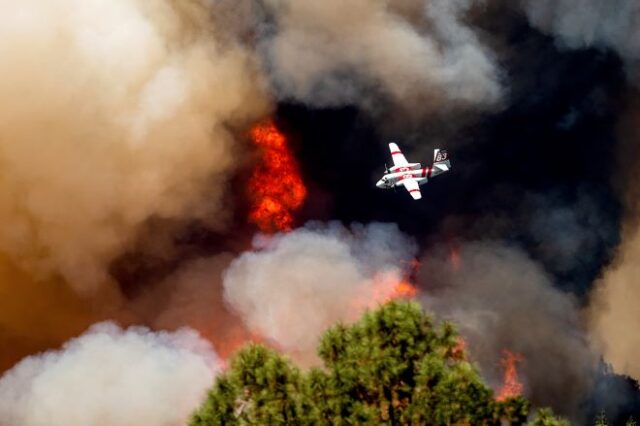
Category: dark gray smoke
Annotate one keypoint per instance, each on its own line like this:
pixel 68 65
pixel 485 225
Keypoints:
pixel 580 24
pixel 613 311
pixel 501 299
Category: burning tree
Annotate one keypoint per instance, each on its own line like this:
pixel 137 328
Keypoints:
pixel 510 386
pixel 395 366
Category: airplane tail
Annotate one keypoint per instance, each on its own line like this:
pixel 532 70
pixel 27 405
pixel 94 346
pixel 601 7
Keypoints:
pixel 441 159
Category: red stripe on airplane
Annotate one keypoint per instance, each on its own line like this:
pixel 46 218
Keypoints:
pixel 414 190
pixel 396 152
pixel 429 174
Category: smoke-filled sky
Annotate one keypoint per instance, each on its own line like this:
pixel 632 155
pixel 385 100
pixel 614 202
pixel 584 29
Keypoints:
pixel 125 158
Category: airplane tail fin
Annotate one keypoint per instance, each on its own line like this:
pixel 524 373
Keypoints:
pixel 441 159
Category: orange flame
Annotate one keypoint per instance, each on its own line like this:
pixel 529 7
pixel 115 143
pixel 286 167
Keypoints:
pixel 235 338
pixel 402 290
pixel 276 188
pixel 385 288
pixel 459 350
pixel 388 286
pixel 511 386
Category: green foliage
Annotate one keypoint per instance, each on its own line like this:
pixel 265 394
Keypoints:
pixel 393 367
pixel 545 417
pixel 260 387
pixel 601 420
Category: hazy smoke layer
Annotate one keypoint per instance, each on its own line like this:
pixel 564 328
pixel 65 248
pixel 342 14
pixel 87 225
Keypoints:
pixel 501 299
pixel 587 23
pixel 113 111
pixel 192 297
pixel 36 315
pixel 419 54
pixel 615 312
pixel 112 377
pixel 296 285
pixel 614 309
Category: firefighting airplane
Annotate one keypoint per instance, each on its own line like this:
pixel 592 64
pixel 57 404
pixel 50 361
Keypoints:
pixel 412 175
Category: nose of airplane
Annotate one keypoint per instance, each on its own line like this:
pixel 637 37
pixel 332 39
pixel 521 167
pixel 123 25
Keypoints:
pixel 380 184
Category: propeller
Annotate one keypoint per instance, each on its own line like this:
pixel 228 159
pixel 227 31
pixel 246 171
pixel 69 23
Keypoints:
pixel 386 169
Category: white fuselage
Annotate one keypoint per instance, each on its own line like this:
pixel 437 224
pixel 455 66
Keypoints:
pixel 415 171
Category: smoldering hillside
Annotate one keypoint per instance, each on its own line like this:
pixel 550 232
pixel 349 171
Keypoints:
pixel 125 159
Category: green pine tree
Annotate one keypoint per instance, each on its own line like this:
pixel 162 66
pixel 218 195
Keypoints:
pixel 393 367
pixel 260 388
pixel 545 417
pixel 601 420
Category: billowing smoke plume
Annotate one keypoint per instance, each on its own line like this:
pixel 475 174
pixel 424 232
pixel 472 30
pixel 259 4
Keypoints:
pixel 296 285
pixel 592 23
pixel 421 55
pixel 113 112
pixel 110 376
pixel 501 299
pixel 123 111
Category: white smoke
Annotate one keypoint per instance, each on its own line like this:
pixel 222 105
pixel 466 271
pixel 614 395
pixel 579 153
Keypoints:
pixel 419 54
pixel 294 286
pixel 110 376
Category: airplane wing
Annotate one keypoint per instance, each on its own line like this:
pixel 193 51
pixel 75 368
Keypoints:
pixel 397 156
pixel 413 188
